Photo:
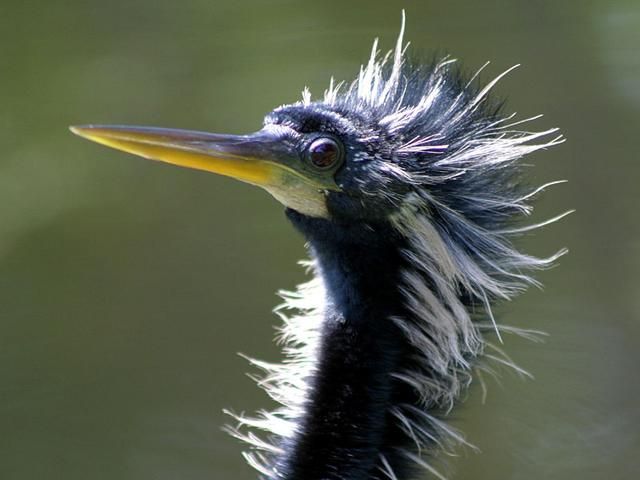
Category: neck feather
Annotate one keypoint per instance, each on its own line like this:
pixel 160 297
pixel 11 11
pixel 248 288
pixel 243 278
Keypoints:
pixel 380 347
pixel 347 427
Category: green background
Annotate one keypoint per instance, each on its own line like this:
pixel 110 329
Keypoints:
pixel 126 287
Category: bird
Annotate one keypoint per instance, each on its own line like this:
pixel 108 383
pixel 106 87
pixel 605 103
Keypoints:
pixel 408 188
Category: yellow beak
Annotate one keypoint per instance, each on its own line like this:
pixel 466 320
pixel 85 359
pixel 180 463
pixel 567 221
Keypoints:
pixel 259 159
pixel 264 158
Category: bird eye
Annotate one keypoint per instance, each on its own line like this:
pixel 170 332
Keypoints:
pixel 324 153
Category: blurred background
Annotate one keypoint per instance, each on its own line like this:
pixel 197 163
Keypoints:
pixel 127 287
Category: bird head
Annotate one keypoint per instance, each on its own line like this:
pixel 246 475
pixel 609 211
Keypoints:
pixel 401 134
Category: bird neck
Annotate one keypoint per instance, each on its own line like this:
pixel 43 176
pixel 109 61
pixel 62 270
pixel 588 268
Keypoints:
pixel 346 431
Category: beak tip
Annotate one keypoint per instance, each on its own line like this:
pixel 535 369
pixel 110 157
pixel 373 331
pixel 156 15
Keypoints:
pixel 78 130
pixel 90 132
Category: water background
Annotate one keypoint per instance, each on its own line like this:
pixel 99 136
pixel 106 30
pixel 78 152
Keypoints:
pixel 126 287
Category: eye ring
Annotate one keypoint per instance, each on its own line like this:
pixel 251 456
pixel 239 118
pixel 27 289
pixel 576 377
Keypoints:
pixel 325 153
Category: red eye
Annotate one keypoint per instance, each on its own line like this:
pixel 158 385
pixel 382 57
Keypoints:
pixel 324 153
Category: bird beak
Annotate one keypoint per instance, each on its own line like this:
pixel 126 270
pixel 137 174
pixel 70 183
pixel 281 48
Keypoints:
pixel 263 158
pixel 259 159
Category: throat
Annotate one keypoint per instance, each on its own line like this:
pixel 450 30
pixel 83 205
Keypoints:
pixel 346 431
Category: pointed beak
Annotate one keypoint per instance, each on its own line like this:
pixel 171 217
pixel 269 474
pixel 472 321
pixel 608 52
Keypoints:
pixel 261 158
pixel 268 158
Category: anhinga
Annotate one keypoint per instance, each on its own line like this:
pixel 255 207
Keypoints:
pixel 405 184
